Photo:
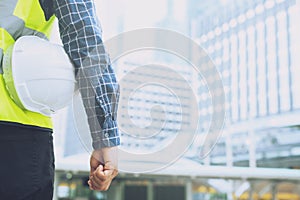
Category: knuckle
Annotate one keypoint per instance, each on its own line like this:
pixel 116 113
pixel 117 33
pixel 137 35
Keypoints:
pixel 99 174
pixel 101 178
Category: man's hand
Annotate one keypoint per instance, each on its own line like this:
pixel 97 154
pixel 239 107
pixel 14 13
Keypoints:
pixel 104 168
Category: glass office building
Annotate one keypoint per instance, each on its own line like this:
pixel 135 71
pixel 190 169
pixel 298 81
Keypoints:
pixel 155 100
pixel 255 46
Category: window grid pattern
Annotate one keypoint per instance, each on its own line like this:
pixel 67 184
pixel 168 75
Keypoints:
pixel 253 47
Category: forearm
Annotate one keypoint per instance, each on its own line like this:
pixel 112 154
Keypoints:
pixel 81 36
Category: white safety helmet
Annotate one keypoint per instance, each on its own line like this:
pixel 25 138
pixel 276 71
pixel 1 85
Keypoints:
pixel 39 75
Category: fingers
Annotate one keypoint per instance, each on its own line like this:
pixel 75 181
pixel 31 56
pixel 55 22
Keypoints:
pixel 101 178
pixel 99 175
pixel 104 164
pixel 97 184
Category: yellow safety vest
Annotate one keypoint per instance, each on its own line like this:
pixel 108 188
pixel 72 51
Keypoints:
pixel 19 18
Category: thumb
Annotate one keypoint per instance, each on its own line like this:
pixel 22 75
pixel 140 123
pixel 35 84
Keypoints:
pixel 100 168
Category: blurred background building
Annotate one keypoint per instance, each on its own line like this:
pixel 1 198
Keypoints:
pixel 255 46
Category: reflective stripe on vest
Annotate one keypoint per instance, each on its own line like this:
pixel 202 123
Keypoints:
pixel 19 18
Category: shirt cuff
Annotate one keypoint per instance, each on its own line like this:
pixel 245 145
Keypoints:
pixel 109 136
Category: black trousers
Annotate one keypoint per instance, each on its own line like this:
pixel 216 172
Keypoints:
pixel 26 163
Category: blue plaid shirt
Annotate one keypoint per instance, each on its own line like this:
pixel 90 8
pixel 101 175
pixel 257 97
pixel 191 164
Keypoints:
pixel 80 32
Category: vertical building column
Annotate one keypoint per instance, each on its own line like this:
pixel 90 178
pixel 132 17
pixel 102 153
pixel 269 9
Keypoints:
pixel 229 196
pixel 229 156
pixel 252 149
pixel 251 191
pixel 274 191
pixel 150 191
pixel 116 192
pixel 189 190
pixel 120 191
pixel 56 182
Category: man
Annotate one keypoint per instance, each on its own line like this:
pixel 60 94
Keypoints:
pixel 26 146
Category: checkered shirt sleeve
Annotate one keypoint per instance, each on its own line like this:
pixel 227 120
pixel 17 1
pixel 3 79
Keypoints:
pixel 81 35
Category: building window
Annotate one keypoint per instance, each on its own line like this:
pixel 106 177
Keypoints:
pixel 261 65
